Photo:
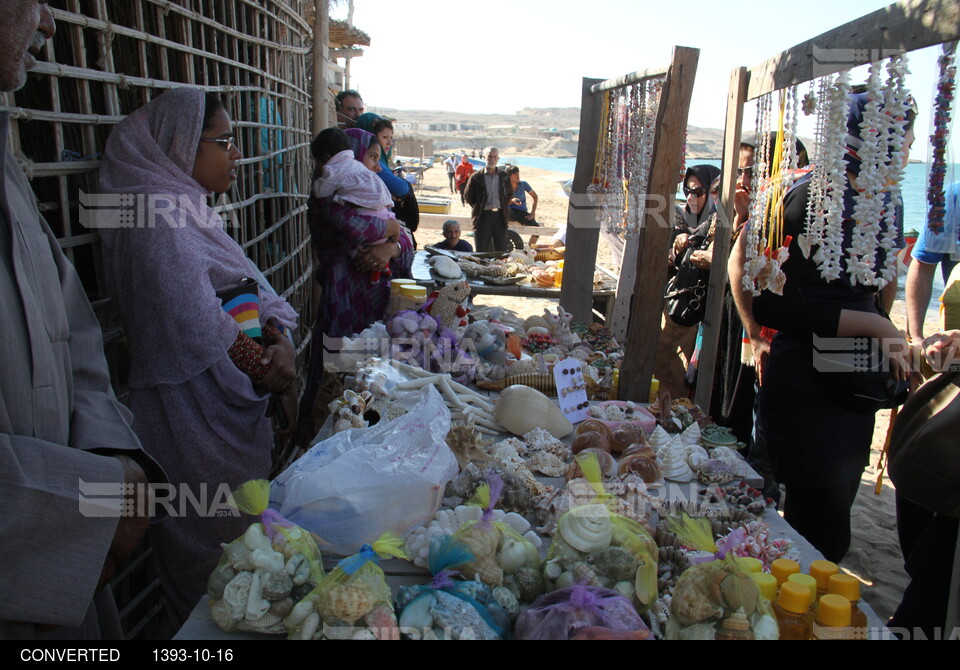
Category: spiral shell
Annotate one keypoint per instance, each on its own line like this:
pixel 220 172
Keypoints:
pixel 626 435
pixel 697 597
pixel 587 529
pixel 482 543
pixel 608 466
pixel 645 467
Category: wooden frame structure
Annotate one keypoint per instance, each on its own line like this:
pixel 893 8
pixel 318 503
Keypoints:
pixel 638 307
pixel 108 58
pixel 900 27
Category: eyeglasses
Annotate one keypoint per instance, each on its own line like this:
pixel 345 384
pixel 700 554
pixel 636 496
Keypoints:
pixel 695 192
pixel 745 171
pixel 227 142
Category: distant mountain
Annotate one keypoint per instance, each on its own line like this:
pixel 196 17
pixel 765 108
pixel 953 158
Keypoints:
pixel 526 132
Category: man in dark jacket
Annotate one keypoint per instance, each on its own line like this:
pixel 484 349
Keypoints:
pixel 488 193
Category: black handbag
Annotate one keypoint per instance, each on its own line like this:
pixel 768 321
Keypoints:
pixel 859 378
pixel 686 294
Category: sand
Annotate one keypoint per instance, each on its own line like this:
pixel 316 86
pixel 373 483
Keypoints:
pixel 874 555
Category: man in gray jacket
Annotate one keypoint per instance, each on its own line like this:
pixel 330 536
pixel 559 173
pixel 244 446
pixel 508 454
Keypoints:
pixel 60 423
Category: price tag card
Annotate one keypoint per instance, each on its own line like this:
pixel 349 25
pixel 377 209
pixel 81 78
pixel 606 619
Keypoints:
pixel 571 389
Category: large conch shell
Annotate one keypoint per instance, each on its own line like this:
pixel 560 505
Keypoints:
pixel 348 602
pixel 520 409
pixel 587 529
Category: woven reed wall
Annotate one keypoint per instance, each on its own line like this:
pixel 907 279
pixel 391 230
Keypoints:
pixel 108 58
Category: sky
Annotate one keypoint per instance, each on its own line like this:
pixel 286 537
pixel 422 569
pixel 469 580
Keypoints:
pixel 499 57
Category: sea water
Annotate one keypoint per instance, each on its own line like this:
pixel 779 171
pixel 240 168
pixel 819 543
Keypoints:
pixel 913 189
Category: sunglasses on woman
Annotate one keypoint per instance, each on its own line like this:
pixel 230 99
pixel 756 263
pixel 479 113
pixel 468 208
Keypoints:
pixel 696 191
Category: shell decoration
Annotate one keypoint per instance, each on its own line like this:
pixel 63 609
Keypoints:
pixel 520 409
pixel 587 529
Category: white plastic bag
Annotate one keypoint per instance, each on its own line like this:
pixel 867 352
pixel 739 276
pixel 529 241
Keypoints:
pixel 361 483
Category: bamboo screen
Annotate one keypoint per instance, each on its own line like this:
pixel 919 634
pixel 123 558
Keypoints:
pixel 109 57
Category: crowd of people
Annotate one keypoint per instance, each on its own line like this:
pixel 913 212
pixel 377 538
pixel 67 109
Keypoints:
pixel 206 378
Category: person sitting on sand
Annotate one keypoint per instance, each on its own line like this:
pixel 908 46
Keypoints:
pixel 451 238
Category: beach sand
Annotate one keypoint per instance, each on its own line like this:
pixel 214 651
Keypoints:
pixel 874 555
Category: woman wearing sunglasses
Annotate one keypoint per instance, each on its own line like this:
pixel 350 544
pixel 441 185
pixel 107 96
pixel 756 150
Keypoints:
pixel 692 221
pixel 198 381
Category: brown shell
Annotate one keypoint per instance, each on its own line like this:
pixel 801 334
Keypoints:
pixel 646 468
pixel 347 602
pixel 594 426
pixel 590 440
pixel 608 466
pixel 626 435
pixel 696 597
pixel 639 449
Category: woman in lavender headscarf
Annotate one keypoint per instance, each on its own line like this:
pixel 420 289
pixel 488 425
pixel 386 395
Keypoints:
pixel 193 369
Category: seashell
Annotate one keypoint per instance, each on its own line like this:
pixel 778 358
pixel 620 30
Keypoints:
pixel 347 602
pixel 311 626
pixel 382 622
pixel 695 598
pixel 507 601
pixel 521 409
pixel 608 466
pixel 218 580
pixel 616 563
pixel 640 449
pixel 282 607
pixel 257 606
pixel 659 438
pixel 547 464
pixel 674 466
pixel 552 570
pixel 625 589
pixel 238 554
pixel 565 580
pixel 590 440
pixel 445 267
pixel 529 584
pixel 587 529
pixel 220 613
pixel 255 539
pixel 646 468
pixel 299 614
pixel 625 435
pixel 517 554
pixel 482 543
pixel 237 593
pixel 298 567
pixel 739 593
pixel 267 560
pixel 267 624
pixel 715 471
pixel 461 618
pixel 276 586
pixel 691 435
pixel 416 614
pixel 765 628
pixel 584 573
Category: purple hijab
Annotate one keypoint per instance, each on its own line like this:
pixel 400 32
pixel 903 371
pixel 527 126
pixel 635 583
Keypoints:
pixel 359 141
pixel 165 268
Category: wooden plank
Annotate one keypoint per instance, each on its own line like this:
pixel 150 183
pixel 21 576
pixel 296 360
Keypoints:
pixel 904 26
pixel 628 79
pixel 736 96
pixel 321 29
pixel 583 231
pixel 647 304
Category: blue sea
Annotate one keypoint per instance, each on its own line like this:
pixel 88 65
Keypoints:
pixel 913 188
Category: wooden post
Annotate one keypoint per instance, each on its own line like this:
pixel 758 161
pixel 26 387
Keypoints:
pixel 647 304
pixel 321 32
pixel 583 232
pixel 736 97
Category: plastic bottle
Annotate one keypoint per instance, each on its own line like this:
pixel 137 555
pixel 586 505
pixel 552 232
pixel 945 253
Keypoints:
pixel 783 568
pixel 849 587
pixel 807 582
pixel 821 571
pixel 393 304
pixel 767 584
pixel 792 609
pixel 833 619
pixel 751 564
pixel 654 389
pixel 412 296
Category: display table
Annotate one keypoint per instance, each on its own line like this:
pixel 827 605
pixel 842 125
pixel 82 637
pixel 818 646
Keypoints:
pixel 603 296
